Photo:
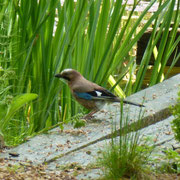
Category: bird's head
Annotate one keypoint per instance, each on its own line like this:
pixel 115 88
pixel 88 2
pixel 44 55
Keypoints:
pixel 68 74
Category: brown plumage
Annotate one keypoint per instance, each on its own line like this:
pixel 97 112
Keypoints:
pixel 87 93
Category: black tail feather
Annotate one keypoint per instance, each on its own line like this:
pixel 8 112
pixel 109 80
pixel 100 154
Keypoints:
pixel 132 103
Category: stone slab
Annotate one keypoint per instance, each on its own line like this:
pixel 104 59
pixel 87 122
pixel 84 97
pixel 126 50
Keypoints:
pixel 161 136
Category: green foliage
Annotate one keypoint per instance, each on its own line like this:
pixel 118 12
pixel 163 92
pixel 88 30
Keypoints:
pixel 167 41
pixel 78 121
pixel 122 161
pixel 17 102
pixel 90 36
pixel 176 121
pixel 8 125
pixel 170 162
pixel 13 125
pixel 9 107
pixel 127 155
pixel 5 95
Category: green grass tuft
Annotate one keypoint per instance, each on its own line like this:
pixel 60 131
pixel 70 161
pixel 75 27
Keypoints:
pixel 126 156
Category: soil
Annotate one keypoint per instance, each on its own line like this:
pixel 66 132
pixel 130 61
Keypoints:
pixel 27 171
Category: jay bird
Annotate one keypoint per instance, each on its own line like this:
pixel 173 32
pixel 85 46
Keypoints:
pixel 87 93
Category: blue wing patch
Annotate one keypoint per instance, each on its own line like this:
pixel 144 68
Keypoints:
pixel 95 95
pixel 83 95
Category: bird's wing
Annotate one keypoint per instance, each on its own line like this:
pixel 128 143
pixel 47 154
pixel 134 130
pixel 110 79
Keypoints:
pixel 97 94
pixel 103 95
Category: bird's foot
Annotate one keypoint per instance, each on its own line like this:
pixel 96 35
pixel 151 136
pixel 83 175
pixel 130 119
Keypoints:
pixel 89 116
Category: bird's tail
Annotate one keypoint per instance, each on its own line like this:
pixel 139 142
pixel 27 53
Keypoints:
pixel 117 99
pixel 132 103
pixel 128 102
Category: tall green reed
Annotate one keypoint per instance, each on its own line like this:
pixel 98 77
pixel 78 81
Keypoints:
pixel 11 104
pixel 165 35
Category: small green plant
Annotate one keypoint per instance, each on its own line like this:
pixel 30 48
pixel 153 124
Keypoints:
pixel 12 129
pixel 78 123
pixel 176 121
pixel 171 162
pixel 125 156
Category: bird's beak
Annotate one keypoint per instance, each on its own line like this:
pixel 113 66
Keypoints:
pixel 58 76
pixel 62 76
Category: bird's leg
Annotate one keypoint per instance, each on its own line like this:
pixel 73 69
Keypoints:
pixel 89 115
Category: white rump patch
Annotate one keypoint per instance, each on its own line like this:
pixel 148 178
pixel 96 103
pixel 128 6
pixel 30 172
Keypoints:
pixel 98 93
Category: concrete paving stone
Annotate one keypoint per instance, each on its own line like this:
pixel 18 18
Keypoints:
pixel 160 135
